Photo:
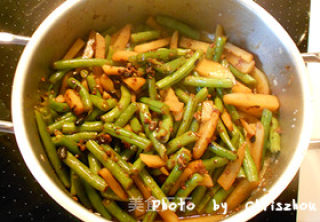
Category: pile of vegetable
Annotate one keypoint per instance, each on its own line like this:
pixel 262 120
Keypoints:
pixel 158 110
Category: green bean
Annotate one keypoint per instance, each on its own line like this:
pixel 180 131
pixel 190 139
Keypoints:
pixel 110 164
pixel 144 36
pixel 182 95
pixel 155 105
pixel 117 212
pixel 152 184
pixel 195 125
pixel 218 49
pixel 92 84
pixel 165 128
pixel 62 140
pixel 266 118
pixel 110 195
pixel 171 66
pixel 122 163
pixel 207 82
pixel 57 125
pixel 224 135
pixel 135 125
pixel 138 165
pixel 235 139
pixel 94 164
pixel 145 118
pixel 219 31
pixel 206 199
pixel 221 151
pixel 182 158
pixel 93 126
pixel 243 77
pixel 83 92
pixel 80 62
pixel 163 54
pixel 187 116
pixel 96 201
pixel 190 185
pixel 110 53
pixel 151 81
pixel 241 173
pixel 126 115
pixel 218 197
pixel 249 166
pixel 102 104
pixel 77 137
pixel 127 154
pixel 274 136
pixel 107 40
pixel 57 76
pixel 210 51
pixel 112 29
pixel 58 106
pixel 78 189
pixel 181 141
pixel 51 150
pixel 149 216
pixel 127 136
pixel 112 115
pixel 182 72
pixel 214 162
pixel 230 108
pixel 82 170
pixel 219 104
pixel 94 114
pixel 177 25
pixel 198 194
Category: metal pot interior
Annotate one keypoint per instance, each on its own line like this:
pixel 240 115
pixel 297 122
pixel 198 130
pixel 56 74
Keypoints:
pixel 246 24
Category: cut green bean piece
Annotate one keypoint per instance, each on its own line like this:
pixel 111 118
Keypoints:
pixel 112 115
pixel 274 136
pixel 110 195
pixel 57 76
pixel 51 151
pixel 224 135
pixel 243 77
pixel 214 162
pixel 266 118
pixel 107 40
pixel 110 164
pixel 221 151
pixel 218 198
pixel 182 72
pixel 77 137
pixel 249 166
pixel 117 212
pixel 80 62
pixel 61 140
pixel 96 201
pixel 218 49
pixel 83 92
pixel 59 123
pixel 155 105
pixel 122 163
pixel 152 88
pixel 82 170
pixel 177 25
pixel 207 82
pixel 94 164
pixel 163 54
pixel 126 115
pixel 171 66
pixel 190 185
pixel 165 128
pixel 181 141
pixel 102 104
pixel 182 95
pixel 127 136
pixel 145 118
pixel 144 36
pixel 78 187
pixel 58 106
pixel 135 125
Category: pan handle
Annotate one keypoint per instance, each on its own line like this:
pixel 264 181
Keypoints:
pixel 309 57
pixel 10 39
pixel 6 127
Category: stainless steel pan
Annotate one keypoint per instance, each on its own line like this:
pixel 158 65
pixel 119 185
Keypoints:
pixel 247 25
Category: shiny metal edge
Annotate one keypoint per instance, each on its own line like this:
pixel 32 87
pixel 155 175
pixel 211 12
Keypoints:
pixel 11 39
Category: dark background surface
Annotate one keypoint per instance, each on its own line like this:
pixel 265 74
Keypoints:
pixel 21 197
